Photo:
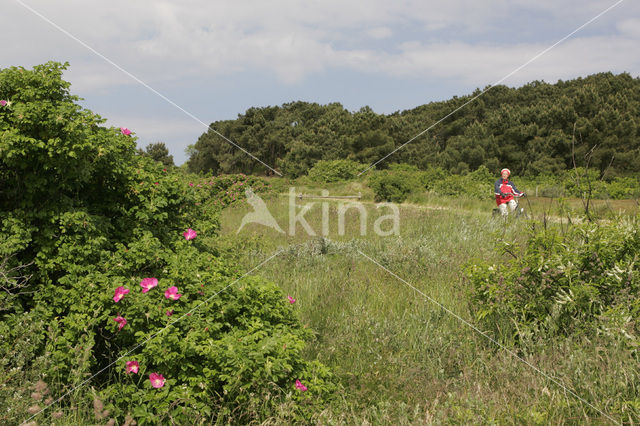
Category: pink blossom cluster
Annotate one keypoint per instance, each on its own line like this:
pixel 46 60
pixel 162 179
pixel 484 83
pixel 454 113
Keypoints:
pixel 157 380
pixel 133 367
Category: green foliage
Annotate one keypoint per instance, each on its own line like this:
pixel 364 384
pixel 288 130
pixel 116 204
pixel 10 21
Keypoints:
pixel 335 170
pixel 299 159
pixel 394 185
pixel 82 215
pixel 221 191
pixel 623 187
pixel 528 129
pixel 583 281
pixel 584 183
pixel 477 184
pixel 158 152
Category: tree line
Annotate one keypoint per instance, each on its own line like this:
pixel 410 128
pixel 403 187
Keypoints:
pixel 539 128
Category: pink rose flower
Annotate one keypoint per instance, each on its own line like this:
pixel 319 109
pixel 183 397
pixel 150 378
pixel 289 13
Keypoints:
pixel 148 283
pixel 300 386
pixel 291 300
pixel 3 103
pixel 120 292
pixel 170 312
pixel 172 293
pixel 121 322
pixel 132 367
pixel 189 234
pixel 125 131
pixel 157 380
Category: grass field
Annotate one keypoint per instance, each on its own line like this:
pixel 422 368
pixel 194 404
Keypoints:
pixel 407 356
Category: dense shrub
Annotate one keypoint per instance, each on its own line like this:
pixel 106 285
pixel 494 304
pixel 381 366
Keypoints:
pixel 84 215
pixel 585 280
pixel 221 191
pixel 477 184
pixel 623 188
pixel 584 183
pixel 393 186
pixel 335 170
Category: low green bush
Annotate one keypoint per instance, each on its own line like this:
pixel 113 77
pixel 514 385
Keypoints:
pixel 477 184
pixel 326 171
pixel 582 281
pixel 393 186
pixel 623 188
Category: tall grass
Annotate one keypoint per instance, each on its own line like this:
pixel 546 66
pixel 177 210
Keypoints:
pixel 401 357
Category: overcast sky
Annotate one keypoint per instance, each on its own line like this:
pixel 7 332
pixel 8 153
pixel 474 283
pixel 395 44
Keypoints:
pixel 215 59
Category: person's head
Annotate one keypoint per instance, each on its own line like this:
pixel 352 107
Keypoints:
pixel 505 173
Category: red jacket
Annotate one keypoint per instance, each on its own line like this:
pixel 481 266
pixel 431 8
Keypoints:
pixel 506 187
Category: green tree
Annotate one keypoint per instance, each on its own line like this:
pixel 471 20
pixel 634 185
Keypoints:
pixel 158 152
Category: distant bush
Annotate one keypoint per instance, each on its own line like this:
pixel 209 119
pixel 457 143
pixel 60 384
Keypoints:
pixel 477 184
pixel 394 186
pixel 623 188
pixel 583 183
pixel 335 170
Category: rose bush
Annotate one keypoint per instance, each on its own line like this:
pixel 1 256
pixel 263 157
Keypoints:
pixel 111 270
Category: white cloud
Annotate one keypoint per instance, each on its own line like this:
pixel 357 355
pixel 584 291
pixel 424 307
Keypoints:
pixel 162 41
pixel 379 33
pixel 630 27
pixel 485 64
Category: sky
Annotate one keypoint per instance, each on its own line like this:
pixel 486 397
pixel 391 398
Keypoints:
pixel 168 69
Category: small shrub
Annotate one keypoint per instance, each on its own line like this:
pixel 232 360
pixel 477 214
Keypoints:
pixel 335 170
pixel 393 186
pixel 477 184
pixel 623 188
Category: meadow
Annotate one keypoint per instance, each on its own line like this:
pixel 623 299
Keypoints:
pixel 411 355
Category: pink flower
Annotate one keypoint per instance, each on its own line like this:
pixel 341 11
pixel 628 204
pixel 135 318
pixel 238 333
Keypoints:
pixel 156 183
pixel 291 300
pixel 120 292
pixel 170 312
pixel 190 183
pixel 157 380
pixel 148 283
pixel 3 103
pixel 172 293
pixel 121 322
pixel 300 386
pixel 189 234
pixel 132 367
pixel 125 131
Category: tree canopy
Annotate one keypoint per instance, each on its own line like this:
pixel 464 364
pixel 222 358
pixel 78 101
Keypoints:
pixel 539 128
